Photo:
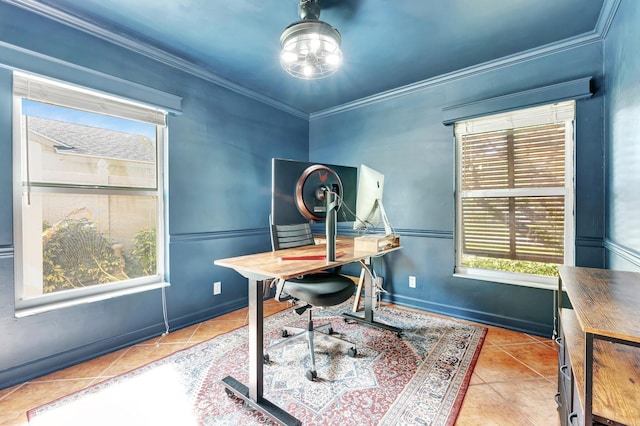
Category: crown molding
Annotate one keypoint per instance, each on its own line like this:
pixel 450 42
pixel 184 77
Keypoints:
pixel 149 51
pixel 600 31
pixel 603 24
pixel 607 13
pixel 461 74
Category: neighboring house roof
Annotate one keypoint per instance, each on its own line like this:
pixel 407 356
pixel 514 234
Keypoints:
pixel 71 138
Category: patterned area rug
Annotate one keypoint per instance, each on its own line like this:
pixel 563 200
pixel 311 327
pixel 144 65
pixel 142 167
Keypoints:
pixel 420 378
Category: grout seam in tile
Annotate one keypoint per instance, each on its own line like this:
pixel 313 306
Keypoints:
pixel 526 379
pixel 518 343
pixel 523 363
pixel 124 352
pixel 193 333
pixel 13 391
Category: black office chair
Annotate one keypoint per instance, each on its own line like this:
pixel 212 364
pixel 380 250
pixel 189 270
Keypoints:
pixel 315 290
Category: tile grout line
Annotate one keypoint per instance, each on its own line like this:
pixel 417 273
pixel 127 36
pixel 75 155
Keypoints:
pixel 521 362
pixel 113 362
pixel 517 343
pixel 17 387
pixel 526 379
pixel 195 330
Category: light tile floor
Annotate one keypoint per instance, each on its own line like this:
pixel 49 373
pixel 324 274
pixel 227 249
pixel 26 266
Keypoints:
pixel 514 381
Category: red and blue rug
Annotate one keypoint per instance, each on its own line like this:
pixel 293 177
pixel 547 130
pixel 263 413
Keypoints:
pixel 418 379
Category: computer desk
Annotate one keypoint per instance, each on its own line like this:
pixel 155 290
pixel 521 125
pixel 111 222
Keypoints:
pixel 259 269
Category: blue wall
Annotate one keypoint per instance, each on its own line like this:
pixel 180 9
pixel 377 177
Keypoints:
pixel 219 187
pixel 403 137
pixel 220 152
pixel 622 83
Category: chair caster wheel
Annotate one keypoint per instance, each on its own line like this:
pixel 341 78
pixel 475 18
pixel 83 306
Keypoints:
pixel 330 330
pixel 228 392
pixel 311 375
pixel 284 333
pixel 266 359
pixel 352 352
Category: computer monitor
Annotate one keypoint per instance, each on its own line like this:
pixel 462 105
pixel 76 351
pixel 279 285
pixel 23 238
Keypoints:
pixel 369 208
pixel 303 191
pixel 293 186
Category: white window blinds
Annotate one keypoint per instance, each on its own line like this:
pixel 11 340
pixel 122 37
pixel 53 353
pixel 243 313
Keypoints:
pixel 38 89
pixel 514 177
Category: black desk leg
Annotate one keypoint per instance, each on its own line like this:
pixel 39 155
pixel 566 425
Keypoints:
pixel 587 397
pixel 368 308
pixel 252 395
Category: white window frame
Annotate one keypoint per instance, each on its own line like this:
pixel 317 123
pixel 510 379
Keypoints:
pixel 561 112
pixel 27 86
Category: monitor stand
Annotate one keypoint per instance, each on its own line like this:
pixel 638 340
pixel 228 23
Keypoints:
pixel 330 224
pixel 385 220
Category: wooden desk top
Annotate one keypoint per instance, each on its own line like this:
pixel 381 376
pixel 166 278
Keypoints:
pixel 605 301
pixel 605 304
pixel 615 374
pixel 271 265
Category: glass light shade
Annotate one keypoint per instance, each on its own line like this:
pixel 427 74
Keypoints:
pixel 310 49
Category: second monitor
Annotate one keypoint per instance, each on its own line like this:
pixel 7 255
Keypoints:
pixel 369 208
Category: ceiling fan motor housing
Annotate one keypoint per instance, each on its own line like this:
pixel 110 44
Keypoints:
pixel 310 47
pixel 309 9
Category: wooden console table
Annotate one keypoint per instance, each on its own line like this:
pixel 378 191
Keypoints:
pixel 599 347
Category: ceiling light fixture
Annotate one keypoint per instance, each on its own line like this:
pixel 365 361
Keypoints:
pixel 310 47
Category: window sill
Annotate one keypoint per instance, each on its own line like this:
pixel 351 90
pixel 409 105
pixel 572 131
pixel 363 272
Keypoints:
pixel 34 310
pixel 533 281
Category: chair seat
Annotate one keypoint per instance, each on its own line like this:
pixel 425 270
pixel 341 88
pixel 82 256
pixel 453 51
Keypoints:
pixel 322 289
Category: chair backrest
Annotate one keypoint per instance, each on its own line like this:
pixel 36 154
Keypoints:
pixel 288 236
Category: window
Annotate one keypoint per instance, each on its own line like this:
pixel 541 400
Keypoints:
pixel 515 194
pixel 88 199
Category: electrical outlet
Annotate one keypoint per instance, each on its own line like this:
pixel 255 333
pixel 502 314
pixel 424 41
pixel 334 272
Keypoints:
pixel 217 288
pixel 412 281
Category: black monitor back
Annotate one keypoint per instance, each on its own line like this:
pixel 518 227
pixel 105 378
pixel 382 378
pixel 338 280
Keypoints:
pixel 285 175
